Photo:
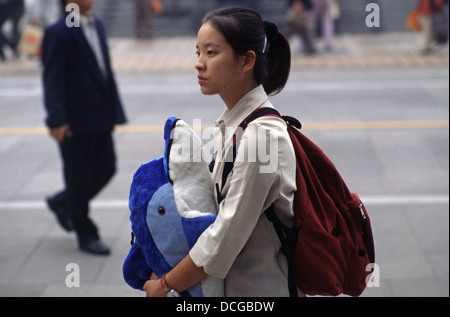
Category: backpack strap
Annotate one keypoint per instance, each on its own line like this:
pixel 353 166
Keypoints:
pixel 258 113
pixel 231 154
pixel 230 157
pixel 286 236
pixel 284 233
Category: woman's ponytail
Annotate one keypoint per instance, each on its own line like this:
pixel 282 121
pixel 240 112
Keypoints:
pixel 278 60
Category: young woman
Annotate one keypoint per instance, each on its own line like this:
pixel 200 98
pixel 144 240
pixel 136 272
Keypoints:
pixel 243 60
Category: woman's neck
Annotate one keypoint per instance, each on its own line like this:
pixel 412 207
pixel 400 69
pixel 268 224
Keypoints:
pixel 233 97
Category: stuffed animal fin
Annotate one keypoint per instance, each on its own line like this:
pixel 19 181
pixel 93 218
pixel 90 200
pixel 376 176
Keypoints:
pixel 135 269
pixel 188 171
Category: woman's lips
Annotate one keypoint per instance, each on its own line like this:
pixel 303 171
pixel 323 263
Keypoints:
pixel 201 80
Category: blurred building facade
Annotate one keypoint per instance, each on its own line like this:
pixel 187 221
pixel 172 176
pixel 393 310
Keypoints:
pixel 183 17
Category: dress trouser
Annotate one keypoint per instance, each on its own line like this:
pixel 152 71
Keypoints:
pixel 322 12
pixel 426 21
pixel 143 19
pixel 89 164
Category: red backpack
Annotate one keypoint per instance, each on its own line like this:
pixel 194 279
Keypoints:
pixel 331 246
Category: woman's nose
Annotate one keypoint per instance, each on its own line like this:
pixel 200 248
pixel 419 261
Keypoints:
pixel 199 65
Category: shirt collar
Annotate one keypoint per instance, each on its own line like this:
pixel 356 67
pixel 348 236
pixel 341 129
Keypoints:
pixel 87 21
pixel 249 103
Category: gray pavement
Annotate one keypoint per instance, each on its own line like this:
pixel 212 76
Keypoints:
pixel 377 107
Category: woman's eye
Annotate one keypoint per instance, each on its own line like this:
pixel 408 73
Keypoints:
pixel 209 53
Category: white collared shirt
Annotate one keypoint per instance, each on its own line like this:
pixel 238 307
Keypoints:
pixel 90 32
pixel 242 246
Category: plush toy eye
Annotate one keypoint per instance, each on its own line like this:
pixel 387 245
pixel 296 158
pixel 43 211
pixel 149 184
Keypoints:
pixel 161 211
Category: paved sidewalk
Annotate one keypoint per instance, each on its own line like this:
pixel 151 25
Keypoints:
pixel 370 50
pixel 35 252
pixel 397 49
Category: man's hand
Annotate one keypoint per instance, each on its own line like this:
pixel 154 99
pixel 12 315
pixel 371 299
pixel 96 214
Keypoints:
pixel 60 133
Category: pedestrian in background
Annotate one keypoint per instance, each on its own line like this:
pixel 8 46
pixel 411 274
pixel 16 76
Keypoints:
pixel 322 13
pixel 16 12
pixel 4 40
pixel 12 11
pixel 143 12
pixel 426 10
pixel 297 23
pixel 83 105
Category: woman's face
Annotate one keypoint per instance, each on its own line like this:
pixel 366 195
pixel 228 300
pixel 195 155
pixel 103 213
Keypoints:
pixel 219 68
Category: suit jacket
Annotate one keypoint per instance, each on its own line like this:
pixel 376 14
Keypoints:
pixel 75 91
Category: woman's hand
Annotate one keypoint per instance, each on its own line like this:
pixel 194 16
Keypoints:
pixel 153 287
pixel 181 277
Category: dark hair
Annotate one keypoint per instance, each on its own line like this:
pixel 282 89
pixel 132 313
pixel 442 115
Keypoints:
pixel 244 30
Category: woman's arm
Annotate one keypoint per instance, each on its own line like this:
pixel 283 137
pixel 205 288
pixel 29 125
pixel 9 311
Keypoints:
pixel 180 278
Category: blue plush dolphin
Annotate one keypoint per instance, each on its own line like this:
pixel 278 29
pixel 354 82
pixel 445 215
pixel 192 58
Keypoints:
pixel 171 202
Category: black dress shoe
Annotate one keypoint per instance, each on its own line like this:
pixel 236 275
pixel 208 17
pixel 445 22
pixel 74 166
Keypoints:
pixel 96 247
pixel 60 210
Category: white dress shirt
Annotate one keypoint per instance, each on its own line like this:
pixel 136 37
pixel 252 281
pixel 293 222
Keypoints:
pixel 91 34
pixel 242 246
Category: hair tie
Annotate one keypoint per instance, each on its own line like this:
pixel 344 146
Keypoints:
pixel 266 45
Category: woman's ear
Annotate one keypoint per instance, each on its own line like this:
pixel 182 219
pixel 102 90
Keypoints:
pixel 248 61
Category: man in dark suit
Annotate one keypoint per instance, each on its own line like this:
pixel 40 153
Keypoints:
pixel 82 105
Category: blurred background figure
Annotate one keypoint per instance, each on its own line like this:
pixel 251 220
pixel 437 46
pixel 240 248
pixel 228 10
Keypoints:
pixel 4 14
pixel 228 3
pixel 10 11
pixel 46 12
pixel 143 11
pixel 322 13
pixel 297 23
pixel 17 9
pixel 429 9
